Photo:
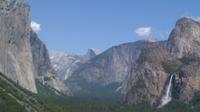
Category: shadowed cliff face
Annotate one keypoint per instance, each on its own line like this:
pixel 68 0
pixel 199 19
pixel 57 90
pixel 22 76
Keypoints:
pixel 44 70
pixel 16 57
pixel 187 81
pixel 40 55
pixel 179 56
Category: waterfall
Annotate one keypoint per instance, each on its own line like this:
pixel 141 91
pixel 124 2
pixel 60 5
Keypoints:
pixel 167 95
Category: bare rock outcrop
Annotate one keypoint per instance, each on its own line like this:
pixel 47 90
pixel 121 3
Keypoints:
pixel 185 38
pixel 15 50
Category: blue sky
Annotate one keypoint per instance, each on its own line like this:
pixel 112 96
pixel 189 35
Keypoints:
pixel 76 25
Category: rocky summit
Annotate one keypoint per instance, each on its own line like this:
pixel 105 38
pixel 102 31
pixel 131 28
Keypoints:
pixel 150 75
pixel 185 38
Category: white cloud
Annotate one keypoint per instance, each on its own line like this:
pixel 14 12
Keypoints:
pixel 36 27
pixel 143 31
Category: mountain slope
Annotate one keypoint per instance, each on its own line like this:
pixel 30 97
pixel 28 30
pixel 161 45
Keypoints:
pixel 177 58
pixel 13 98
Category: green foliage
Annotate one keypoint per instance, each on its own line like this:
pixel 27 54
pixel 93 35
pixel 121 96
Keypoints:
pixel 175 65
pixel 63 103
pixel 8 104
pixel 48 101
pixel 80 104
pixel 85 103
pixel 45 90
pixel 189 58
pixel 171 66
pixel 196 99
pixel 179 106
pixel 95 90
pixel 46 78
pixel 176 106
pixel 14 98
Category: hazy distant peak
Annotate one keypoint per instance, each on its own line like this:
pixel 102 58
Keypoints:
pixel 95 50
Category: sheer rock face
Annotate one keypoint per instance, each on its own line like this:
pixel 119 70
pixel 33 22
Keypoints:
pixel 40 55
pixel 16 57
pixel 148 77
pixel 108 68
pixel 42 65
pixel 185 38
pixel 187 81
pixel 179 56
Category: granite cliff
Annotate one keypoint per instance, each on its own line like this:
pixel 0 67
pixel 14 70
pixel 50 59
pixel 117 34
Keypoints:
pixel 16 56
pixel 24 57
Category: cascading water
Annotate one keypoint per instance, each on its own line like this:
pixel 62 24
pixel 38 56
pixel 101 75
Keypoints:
pixel 167 95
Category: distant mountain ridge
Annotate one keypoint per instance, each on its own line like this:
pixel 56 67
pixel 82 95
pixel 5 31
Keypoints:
pixel 143 69
pixel 108 68
pixel 65 63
